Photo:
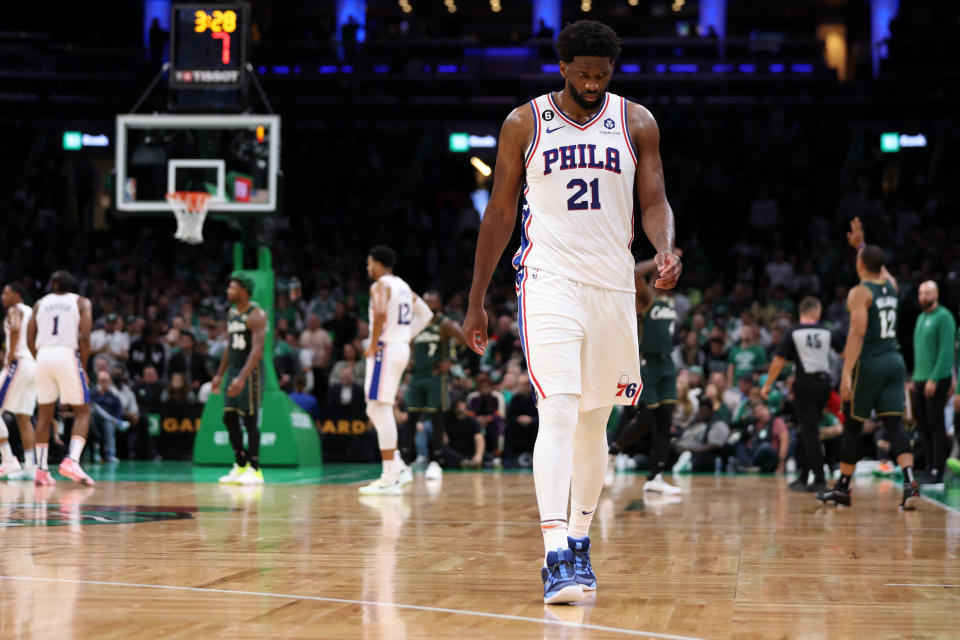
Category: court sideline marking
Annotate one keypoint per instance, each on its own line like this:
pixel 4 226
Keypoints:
pixel 414 607
pixel 940 504
pixel 905 584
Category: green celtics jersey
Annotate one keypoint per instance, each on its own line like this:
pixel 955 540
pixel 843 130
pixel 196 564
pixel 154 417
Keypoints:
pixel 881 336
pixel 430 348
pixel 241 337
pixel 656 326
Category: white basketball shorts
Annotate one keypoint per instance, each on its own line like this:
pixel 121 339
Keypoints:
pixel 578 339
pixel 60 375
pixel 385 370
pixel 18 393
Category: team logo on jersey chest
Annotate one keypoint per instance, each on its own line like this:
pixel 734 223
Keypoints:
pixel 609 123
pixel 581 156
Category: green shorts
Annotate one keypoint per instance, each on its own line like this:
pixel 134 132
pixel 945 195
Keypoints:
pixel 878 385
pixel 428 393
pixel 247 402
pixel 659 380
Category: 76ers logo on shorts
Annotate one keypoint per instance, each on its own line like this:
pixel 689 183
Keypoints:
pixel 626 388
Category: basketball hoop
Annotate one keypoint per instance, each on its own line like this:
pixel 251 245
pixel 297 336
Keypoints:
pixel 190 209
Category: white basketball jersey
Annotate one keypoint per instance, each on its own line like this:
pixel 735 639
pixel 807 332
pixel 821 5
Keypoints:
pixel 578 210
pixel 58 321
pixel 396 328
pixel 20 350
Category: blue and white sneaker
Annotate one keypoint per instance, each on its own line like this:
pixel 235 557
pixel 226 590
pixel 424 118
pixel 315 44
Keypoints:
pixel 560 584
pixel 583 570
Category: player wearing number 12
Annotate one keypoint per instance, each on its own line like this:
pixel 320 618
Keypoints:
pixel 396 315
pixel 874 374
pixel 578 156
pixel 242 369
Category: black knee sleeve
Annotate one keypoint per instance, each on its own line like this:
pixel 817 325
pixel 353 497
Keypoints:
pixel 635 429
pixel 896 436
pixel 850 441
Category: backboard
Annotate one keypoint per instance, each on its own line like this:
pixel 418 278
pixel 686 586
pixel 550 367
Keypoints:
pixel 234 158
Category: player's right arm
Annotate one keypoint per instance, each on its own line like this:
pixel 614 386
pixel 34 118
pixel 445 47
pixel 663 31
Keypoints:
pixel 222 369
pixel 857 239
pixel 858 302
pixel 15 318
pixel 86 325
pixel 32 332
pixel 379 298
pixel 499 219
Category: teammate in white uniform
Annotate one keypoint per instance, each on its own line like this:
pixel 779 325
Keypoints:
pixel 18 395
pixel 396 315
pixel 579 155
pixel 58 336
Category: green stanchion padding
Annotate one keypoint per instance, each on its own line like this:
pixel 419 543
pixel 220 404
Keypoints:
pixel 288 436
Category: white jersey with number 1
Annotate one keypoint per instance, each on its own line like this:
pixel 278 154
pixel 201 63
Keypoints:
pixel 58 321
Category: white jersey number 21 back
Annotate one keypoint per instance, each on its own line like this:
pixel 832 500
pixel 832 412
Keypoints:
pixel 58 321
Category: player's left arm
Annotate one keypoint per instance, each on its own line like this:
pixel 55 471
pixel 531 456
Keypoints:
pixel 86 326
pixel 257 323
pixel 655 211
pixel 422 316
pixel 379 298
pixel 858 301
pixel 32 332
pixel 15 318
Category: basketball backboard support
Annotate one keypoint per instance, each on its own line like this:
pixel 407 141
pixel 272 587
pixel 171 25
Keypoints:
pixel 234 158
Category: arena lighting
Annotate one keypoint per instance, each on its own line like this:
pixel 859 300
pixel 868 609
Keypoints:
pixel 481 166
pixel 633 3
pixel 585 6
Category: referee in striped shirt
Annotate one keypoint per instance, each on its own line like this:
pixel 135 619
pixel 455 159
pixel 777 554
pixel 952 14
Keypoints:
pixel 808 344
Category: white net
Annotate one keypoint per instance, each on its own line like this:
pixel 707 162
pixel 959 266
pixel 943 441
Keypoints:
pixel 190 209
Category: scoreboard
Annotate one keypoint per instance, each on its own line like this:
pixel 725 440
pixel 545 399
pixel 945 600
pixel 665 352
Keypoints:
pixel 208 45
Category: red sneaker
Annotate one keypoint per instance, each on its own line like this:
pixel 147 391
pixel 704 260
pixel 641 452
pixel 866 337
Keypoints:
pixel 44 479
pixel 71 469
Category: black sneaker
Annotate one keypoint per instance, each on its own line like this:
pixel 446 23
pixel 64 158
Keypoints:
pixel 816 487
pixel 911 497
pixel 797 485
pixel 836 495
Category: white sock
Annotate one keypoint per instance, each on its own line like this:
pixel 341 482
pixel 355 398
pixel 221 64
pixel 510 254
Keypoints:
pixel 391 470
pixel 76 447
pixel 589 468
pixel 6 453
pixel 30 458
pixel 553 466
pixel 42 451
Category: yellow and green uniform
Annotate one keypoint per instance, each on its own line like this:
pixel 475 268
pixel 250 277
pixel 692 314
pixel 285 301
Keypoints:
pixel 880 374
pixel 656 326
pixel 239 344
pixel 932 345
pixel 428 389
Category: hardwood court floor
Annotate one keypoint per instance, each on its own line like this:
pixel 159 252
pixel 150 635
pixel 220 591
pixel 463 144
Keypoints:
pixel 738 557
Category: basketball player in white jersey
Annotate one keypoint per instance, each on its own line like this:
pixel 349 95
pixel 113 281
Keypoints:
pixel 396 316
pixel 58 336
pixel 579 155
pixel 18 395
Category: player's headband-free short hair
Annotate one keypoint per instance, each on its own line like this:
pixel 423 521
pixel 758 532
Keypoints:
pixel 872 257
pixel 384 255
pixel 587 38
pixel 243 280
pixel 808 305
pixel 64 281
pixel 18 289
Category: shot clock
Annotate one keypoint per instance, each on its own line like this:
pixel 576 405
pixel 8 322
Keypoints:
pixel 208 44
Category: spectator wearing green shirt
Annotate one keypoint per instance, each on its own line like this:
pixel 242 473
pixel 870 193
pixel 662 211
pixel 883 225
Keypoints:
pixel 932 378
pixel 746 358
